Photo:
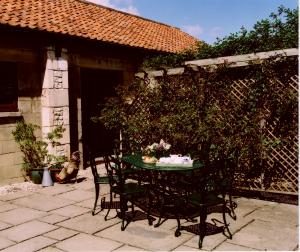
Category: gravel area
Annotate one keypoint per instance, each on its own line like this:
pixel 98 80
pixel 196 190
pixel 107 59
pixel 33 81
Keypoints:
pixel 17 187
pixel 31 187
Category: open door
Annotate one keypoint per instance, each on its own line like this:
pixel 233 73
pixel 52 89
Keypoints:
pixel 96 85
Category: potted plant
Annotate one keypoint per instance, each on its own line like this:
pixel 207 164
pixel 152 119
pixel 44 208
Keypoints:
pixel 35 151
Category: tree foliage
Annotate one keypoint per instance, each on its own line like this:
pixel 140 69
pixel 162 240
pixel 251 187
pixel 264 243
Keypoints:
pixel 200 114
pixel 279 31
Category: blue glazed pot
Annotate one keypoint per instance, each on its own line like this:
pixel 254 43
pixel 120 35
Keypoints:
pixel 36 176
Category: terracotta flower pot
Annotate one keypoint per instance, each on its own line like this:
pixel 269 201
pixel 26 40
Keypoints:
pixel 54 172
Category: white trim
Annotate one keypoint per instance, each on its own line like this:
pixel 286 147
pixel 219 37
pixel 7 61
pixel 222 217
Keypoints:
pixel 234 61
pixel 241 60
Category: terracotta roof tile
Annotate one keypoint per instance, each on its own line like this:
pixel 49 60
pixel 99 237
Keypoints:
pixel 83 19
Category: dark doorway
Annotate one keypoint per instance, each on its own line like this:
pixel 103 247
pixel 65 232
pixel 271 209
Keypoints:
pixel 96 86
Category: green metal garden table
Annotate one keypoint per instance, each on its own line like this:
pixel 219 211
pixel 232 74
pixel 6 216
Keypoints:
pixel 137 162
pixel 167 184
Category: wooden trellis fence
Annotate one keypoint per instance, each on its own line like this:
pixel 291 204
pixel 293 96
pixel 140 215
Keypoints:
pixel 287 158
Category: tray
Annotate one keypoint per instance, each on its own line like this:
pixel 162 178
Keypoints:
pixel 174 165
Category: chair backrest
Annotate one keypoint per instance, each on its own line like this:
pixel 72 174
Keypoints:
pixel 121 148
pixel 112 165
pixel 93 165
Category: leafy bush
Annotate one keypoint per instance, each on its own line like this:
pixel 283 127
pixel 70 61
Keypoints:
pixel 198 114
pixel 280 31
pixel 35 152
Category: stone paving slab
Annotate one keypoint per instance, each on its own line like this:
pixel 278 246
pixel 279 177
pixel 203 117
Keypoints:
pixel 70 211
pixel 89 203
pixel 88 223
pixel 227 246
pixel 66 224
pixel 129 248
pixel 85 185
pixel 76 195
pixel 55 190
pixel 244 209
pixel 24 214
pixel 4 243
pixel 265 235
pixel 42 202
pixel 30 245
pixel 26 230
pixel 61 234
pixel 285 214
pixel 85 242
pixel 186 248
pixel 53 218
pixel 144 236
pixel 16 195
pixel 4 225
pixel 4 206
pixel 50 249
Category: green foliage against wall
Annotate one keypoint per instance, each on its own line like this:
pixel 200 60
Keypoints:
pixel 198 113
pixel 279 31
pixel 35 152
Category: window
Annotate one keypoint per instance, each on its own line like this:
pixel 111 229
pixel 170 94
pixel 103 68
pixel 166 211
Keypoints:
pixel 8 86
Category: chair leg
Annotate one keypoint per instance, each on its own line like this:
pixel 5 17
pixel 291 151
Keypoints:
pixel 177 232
pixel 110 204
pixel 149 217
pixel 123 208
pixel 229 236
pixel 203 216
pixel 161 214
pixel 97 190
pixel 232 207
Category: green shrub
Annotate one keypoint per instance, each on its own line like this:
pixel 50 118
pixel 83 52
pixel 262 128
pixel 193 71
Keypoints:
pixel 198 114
pixel 35 152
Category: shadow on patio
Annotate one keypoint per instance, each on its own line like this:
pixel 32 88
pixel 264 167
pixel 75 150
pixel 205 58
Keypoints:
pixel 58 218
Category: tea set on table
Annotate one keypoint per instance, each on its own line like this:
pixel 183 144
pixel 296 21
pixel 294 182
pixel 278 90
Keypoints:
pixel 175 159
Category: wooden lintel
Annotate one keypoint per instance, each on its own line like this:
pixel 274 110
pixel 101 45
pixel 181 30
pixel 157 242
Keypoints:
pixel 233 61
pixel 241 60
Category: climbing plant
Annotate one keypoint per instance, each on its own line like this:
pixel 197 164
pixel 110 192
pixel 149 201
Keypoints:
pixel 244 113
pixel 199 114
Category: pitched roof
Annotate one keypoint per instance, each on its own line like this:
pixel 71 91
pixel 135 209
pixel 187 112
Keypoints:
pixel 86 20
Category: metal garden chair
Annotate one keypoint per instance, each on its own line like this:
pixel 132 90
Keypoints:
pixel 98 180
pixel 209 191
pixel 129 192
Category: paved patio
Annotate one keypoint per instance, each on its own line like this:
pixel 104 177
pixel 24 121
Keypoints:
pixel 58 218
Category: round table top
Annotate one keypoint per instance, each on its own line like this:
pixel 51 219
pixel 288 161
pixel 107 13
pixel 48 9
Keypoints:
pixel 136 160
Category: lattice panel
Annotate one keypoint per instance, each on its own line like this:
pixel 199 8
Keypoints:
pixel 287 158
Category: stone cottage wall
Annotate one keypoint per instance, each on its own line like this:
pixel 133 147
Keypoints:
pixel 49 87
pixel 29 104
